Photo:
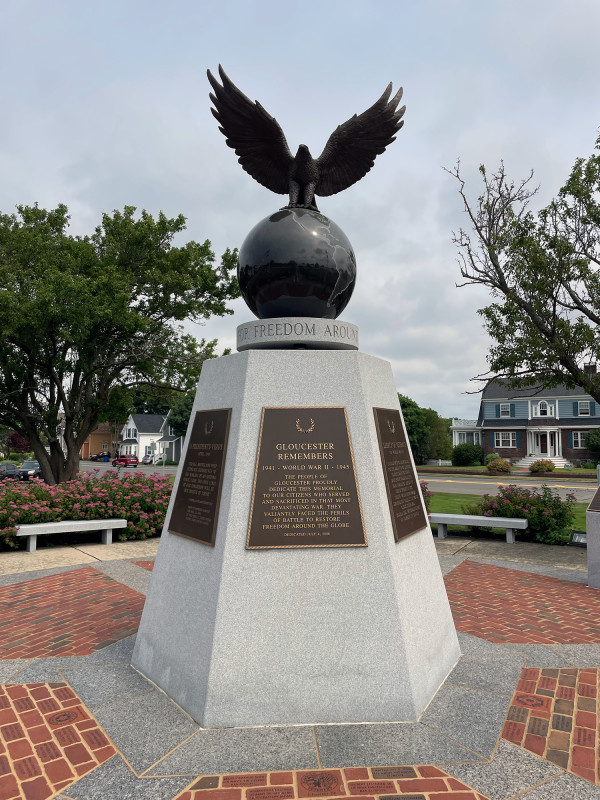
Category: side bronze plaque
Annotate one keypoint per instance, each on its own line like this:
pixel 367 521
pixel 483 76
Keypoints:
pixel 196 508
pixel 595 504
pixel 305 492
pixel 404 495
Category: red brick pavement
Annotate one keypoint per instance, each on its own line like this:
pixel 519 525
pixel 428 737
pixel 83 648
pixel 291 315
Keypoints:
pixel 554 714
pixel 149 565
pixel 48 740
pixel 69 614
pixel 508 605
pixel 355 783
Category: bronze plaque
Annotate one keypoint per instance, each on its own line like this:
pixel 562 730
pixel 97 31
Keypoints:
pixel 305 492
pixel 595 504
pixel 196 509
pixel 404 494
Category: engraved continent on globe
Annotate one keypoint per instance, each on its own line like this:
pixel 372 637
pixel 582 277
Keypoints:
pixel 296 263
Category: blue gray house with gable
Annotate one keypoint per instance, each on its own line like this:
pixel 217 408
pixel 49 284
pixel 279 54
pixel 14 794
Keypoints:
pixel 524 425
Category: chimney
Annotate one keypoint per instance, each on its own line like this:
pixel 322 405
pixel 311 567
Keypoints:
pixel 590 369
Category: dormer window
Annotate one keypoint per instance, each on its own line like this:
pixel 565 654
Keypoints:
pixel 543 409
pixel 584 408
pixel 505 409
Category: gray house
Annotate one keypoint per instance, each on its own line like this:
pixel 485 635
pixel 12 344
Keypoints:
pixel 524 425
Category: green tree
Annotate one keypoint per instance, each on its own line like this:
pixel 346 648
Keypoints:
pixel 83 315
pixel 542 272
pixel 439 440
pixel 416 428
pixel 592 443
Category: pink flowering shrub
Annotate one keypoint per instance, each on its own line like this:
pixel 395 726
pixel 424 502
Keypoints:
pixel 139 498
pixel 427 495
pixel 550 518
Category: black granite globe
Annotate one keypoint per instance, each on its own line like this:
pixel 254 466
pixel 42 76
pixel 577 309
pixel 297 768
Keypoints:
pixel 296 263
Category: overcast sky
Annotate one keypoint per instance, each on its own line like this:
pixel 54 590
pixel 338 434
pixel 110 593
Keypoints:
pixel 106 104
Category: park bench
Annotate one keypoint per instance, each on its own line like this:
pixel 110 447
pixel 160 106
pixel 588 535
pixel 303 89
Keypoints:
pixel 510 523
pixel 106 526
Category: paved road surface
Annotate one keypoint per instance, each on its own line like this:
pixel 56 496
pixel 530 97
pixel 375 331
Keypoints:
pixel 467 484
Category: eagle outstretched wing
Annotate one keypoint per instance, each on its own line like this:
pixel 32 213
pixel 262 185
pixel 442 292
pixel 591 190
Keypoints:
pixel 253 133
pixel 351 149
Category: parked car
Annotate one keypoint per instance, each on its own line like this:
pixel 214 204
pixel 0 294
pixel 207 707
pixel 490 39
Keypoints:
pixel 125 461
pixel 9 471
pixel 149 459
pixel 29 469
pixel 104 456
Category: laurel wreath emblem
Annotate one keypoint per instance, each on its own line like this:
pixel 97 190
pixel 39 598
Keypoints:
pixel 391 426
pixel 208 427
pixel 305 430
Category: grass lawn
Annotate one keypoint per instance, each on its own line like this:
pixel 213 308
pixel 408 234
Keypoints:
pixel 450 503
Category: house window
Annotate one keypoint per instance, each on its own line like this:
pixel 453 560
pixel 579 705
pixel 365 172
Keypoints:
pixel 584 408
pixel 505 409
pixel 543 409
pixel 104 446
pixel 506 439
pixel 471 437
pixel 578 439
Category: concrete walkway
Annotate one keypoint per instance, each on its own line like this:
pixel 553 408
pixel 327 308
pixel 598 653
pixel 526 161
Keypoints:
pixel 514 719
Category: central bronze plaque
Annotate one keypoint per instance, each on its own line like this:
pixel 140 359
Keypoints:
pixel 305 492
pixel 196 508
pixel 595 504
pixel 404 495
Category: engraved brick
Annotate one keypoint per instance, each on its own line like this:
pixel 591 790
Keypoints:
pixel 24 704
pixel 66 716
pixel 550 673
pixel 67 736
pixel 532 701
pixel 390 773
pixel 558 757
pixel 517 714
pixel 561 723
pixel 4 766
pixel 250 779
pixel 48 705
pixel 586 690
pixel 47 751
pixel 11 732
pixel 585 737
pixel 95 739
pixel 537 726
pixel 547 683
pixel 513 731
pixel 402 797
pixel 26 768
pixel 260 793
pixel 324 783
pixel 370 787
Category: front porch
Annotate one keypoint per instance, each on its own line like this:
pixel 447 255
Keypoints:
pixel 545 443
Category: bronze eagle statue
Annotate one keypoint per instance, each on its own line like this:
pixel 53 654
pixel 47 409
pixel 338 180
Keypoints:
pixel 263 151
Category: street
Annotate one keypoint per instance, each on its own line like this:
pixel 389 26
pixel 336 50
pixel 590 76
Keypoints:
pixel 469 484
pixel 99 467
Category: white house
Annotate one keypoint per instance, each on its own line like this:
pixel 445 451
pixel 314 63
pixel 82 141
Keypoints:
pixel 142 434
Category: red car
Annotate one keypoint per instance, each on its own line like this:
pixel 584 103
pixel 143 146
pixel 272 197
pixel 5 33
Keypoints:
pixel 125 461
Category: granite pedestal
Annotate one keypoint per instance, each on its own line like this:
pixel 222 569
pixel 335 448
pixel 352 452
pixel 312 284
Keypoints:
pixel 243 637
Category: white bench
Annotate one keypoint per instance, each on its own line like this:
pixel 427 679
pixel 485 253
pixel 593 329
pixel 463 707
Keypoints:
pixel 510 523
pixel 106 526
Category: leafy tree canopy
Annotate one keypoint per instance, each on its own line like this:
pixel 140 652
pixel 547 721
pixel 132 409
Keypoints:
pixel 542 272
pixel 85 316
pixel 428 433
